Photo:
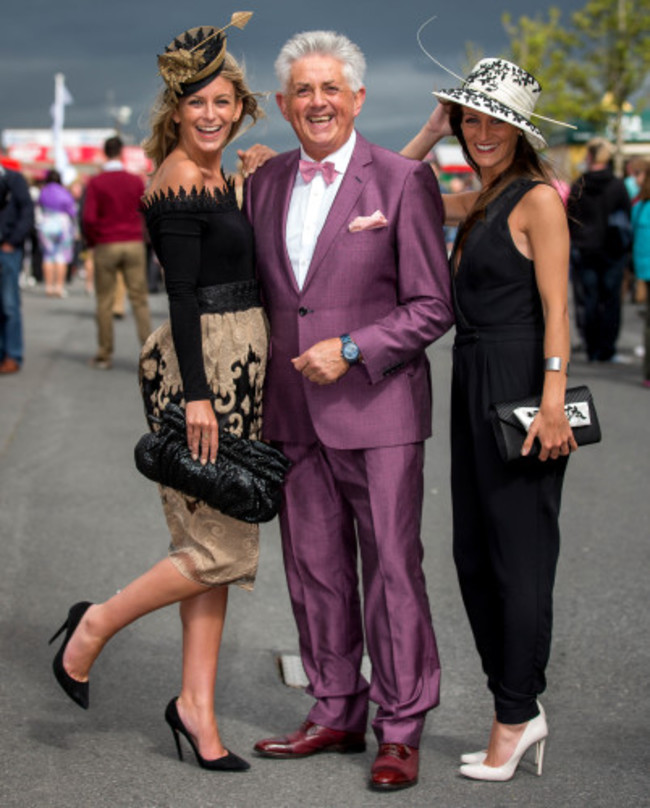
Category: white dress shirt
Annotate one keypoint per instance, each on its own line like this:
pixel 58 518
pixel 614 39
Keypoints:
pixel 308 209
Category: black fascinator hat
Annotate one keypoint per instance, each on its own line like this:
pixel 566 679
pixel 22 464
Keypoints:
pixel 195 57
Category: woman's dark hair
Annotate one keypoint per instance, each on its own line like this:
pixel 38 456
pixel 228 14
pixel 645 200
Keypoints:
pixel 526 163
pixel 644 187
pixel 53 176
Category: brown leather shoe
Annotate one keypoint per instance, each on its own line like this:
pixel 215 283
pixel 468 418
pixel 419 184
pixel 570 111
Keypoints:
pixel 9 365
pixel 310 739
pixel 396 766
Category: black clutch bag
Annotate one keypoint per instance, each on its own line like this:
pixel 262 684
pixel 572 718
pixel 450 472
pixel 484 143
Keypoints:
pixel 245 482
pixel 511 421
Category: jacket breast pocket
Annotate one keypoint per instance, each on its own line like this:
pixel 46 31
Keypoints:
pixel 368 241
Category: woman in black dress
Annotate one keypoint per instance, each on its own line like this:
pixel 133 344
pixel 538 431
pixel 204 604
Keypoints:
pixel 510 271
pixel 210 359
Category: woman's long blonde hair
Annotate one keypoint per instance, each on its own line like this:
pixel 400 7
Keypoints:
pixel 164 131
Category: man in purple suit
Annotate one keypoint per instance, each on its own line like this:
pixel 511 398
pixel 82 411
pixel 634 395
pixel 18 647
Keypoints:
pixel 354 274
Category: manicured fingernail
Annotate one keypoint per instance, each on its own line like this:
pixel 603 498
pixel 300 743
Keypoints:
pixel 194 456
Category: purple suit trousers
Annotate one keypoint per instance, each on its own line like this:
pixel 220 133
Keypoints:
pixel 335 501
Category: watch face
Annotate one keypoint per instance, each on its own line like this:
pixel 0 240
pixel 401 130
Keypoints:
pixel 350 352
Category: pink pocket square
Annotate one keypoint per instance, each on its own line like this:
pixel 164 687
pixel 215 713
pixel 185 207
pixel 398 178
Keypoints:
pixel 373 222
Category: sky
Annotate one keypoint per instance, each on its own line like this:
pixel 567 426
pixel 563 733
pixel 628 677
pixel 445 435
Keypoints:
pixel 107 51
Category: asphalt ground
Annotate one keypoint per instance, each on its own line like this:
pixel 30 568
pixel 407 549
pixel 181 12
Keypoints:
pixel 77 522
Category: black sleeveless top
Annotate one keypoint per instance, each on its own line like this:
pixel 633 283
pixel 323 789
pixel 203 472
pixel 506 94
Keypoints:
pixel 201 239
pixel 494 284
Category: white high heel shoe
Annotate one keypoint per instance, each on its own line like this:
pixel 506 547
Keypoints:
pixel 535 733
pixel 479 757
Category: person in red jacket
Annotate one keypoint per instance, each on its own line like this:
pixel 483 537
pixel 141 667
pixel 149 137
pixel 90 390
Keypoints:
pixel 113 228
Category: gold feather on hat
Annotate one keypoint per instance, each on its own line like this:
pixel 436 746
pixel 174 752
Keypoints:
pixel 240 18
pixel 177 67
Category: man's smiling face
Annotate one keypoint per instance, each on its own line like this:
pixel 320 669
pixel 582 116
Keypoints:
pixel 320 105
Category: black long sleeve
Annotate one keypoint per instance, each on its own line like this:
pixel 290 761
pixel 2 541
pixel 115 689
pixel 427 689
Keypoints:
pixel 179 251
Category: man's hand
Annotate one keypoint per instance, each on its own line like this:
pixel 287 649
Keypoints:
pixel 322 363
pixel 254 158
pixel 6 247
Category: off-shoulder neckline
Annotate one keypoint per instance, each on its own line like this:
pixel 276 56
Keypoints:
pixel 205 196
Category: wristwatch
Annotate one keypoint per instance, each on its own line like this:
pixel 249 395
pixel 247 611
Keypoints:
pixel 349 350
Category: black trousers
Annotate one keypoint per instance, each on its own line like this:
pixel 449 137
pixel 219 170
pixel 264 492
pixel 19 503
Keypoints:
pixel 506 533
pixel 597 286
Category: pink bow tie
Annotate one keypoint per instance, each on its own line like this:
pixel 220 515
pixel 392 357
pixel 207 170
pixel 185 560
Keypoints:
pixel 308 171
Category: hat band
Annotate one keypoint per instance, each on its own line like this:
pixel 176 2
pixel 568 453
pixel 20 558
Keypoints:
pixel 507 99
pixel 527 114
pixel 205 76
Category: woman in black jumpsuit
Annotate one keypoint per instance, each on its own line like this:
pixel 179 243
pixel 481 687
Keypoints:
pixel 510 272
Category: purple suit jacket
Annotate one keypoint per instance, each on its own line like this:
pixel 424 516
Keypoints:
pixel 388 288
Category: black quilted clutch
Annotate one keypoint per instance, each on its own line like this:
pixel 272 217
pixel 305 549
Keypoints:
pixel 511 419
pixel 245 482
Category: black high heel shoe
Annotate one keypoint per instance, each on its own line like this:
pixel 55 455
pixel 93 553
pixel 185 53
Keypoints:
pixel 228 763
pixel 78 691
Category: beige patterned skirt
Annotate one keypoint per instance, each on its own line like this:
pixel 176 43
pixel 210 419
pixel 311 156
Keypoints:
pixel 206 545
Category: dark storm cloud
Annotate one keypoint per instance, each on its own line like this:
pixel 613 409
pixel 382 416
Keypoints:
pixel 107 50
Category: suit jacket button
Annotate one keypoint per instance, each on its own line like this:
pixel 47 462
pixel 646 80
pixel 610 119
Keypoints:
pixel 302 311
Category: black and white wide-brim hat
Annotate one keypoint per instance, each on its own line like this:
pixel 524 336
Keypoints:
pixel 502 90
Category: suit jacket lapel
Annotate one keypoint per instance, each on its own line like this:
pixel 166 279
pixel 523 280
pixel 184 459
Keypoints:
pixel 346 198
pixel 283 187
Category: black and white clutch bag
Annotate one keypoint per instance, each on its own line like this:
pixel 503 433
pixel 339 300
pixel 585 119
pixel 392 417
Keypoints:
pixel 511 421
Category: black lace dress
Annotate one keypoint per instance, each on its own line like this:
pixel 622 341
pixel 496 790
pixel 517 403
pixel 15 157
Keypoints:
pixel 214 346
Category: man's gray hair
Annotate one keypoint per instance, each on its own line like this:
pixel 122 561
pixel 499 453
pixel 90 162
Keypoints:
pixel 323 43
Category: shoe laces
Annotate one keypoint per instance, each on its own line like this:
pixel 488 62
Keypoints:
pixel 394 750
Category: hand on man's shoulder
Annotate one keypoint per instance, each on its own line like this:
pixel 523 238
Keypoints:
pixel 254 157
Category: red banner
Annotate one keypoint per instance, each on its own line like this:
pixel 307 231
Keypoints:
pixel 32 153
